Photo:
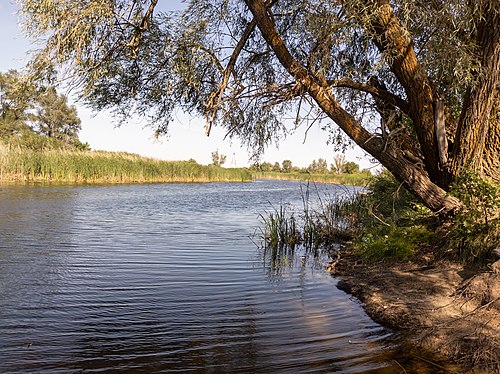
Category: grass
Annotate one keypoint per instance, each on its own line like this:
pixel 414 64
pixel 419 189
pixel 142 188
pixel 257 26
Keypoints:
pixel 356 179
pixel 382 223
pixel 331 221
pixel 106 167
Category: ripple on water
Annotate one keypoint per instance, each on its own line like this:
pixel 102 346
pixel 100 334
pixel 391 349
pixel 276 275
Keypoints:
pixel 164 278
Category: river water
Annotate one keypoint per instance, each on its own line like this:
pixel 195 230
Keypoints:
pixel 166 278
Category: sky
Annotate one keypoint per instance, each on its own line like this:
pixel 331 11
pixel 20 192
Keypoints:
pixel 186 140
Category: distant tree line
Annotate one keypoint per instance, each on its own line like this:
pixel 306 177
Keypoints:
pixel 30 113
pixel 319 166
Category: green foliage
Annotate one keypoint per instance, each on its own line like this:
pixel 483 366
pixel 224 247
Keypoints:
pixel 26 108
pixel 54 118
pixel 379 242
pixel 313 227
pixel 475 230
pixel 318 167
pixel 387 223
pixel 16 97
pixel 350 167
pixel 279 228
pixel 392 222
pixel 389 198
pixel 357 179
pixel 106 167
pixel 286 166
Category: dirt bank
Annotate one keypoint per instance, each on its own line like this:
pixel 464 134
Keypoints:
pixel 446 309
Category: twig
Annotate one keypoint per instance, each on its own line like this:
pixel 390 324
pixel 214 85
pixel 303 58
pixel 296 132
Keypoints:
pixel 401 366
pixel 430 362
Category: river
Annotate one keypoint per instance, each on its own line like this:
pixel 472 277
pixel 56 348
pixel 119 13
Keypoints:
pixel 167 278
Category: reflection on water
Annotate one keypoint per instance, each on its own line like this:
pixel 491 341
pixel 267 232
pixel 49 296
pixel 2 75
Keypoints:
pixel 164 277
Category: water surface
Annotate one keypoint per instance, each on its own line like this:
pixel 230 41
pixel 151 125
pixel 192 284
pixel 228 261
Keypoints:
pixel 164 278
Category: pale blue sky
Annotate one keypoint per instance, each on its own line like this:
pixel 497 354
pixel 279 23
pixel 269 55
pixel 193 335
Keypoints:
pixel 187 138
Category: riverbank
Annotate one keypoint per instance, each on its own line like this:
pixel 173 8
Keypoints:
pixel 71 166
pixel 441 306
pixel 355 179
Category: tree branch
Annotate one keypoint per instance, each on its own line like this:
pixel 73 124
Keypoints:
pixel 382 94
pixel 393 41
pixel 215 97
pixel 416 179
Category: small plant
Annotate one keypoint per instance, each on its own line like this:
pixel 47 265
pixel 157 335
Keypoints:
pixel 391 242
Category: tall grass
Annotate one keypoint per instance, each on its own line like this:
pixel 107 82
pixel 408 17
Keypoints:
pixel 356 179
pixel 327 223
pixel 106 167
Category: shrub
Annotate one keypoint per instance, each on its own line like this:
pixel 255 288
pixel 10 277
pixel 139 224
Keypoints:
pixel 475 230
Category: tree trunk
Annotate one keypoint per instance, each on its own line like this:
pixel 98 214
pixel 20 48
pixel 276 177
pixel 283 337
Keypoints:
pixel 478 133
pixel 414 178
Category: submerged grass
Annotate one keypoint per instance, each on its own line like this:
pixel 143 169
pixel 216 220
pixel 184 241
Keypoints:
pixel 106 167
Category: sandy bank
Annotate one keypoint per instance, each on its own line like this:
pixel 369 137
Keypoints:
pixel 445 308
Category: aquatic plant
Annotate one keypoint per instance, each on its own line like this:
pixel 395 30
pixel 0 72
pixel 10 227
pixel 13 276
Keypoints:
pixel 315 226
pixel 355 179
pixel 106 167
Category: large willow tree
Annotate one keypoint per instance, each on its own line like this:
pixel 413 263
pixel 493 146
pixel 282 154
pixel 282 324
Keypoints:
pixel 414 83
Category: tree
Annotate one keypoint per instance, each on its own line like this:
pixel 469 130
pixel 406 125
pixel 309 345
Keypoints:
pixel 16 97
pixel 277 167
pixel 26 107
pixel 266 166
pixel 218 159
pixel 428 70
pixel 350 167
pixel 338 164
pixel 286 166
pixel 54 118
pixel 319 167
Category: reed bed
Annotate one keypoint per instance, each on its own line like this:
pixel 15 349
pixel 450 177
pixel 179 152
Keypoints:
pixel 329 222
pixel 356 179
pixel 106 167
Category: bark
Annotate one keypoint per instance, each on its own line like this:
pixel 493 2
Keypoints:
pixel 478 134
pixel 392 40
pixel 414 177
pixel 491 156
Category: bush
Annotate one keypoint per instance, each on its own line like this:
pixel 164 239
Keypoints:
pixel 475 230
pixel 392 242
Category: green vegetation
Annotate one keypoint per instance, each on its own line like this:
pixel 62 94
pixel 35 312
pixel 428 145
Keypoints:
pixel 39 142
pixel 341 172
pixel 387 223
pixel 28 109
pixel 73 166
pixel 313 227
pixel 475 231
pixel 357 179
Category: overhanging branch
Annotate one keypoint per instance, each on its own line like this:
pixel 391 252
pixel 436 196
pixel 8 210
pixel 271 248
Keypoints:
pixel 382 94
pixel 215 99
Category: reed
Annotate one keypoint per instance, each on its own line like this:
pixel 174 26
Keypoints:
pixel 356 179
pixel 331 221
pixel 106 167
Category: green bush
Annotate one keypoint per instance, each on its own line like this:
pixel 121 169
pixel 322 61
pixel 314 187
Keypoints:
pixel 391 242
pixel 475 230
